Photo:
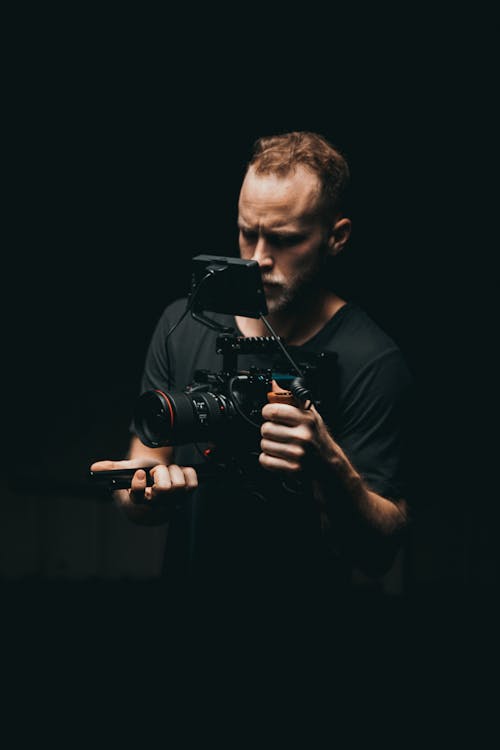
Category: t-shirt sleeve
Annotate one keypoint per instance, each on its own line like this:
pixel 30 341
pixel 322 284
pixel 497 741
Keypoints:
pixel 375 424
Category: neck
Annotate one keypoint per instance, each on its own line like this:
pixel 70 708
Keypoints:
pixel 298 327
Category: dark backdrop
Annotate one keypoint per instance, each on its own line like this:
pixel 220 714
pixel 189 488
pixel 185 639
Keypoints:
pixel 127 163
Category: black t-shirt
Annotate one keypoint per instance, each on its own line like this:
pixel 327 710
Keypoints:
pixel 256 529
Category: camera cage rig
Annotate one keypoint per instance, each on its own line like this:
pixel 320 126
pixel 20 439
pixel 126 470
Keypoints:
pixel 234 286
pixel 231 286
pixel 239 292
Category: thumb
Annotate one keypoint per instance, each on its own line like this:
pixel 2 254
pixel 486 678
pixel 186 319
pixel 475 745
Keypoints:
pixel 103 465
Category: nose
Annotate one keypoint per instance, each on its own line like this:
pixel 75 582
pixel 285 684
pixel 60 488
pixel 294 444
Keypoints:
pixel 262 254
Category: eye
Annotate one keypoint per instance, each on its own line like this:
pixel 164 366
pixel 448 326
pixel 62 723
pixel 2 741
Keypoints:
pixel 284 240
pixel 248 235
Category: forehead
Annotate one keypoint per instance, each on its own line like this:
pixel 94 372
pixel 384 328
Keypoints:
pixel 277 199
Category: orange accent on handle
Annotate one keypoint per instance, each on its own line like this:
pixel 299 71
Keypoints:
pixel 281 396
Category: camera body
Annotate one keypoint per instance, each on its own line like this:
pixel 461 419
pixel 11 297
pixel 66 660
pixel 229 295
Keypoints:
pixel 224 408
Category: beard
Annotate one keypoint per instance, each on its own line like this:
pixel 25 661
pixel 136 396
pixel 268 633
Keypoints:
pixel 290 295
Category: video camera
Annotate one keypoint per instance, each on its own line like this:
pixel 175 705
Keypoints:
pixel 224 408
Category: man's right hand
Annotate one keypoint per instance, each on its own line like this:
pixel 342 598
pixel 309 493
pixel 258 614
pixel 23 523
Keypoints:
pixel 150 504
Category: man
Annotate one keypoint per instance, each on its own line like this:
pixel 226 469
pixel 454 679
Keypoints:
pixel 329 489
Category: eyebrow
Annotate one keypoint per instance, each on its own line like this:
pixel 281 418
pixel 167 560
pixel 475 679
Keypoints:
pixel 268 230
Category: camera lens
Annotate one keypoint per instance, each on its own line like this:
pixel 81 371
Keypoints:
pixel 176 418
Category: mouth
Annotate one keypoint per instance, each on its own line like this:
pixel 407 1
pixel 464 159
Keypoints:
pixel 270 284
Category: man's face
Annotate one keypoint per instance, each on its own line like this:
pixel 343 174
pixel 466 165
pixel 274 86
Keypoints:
pixel 280 228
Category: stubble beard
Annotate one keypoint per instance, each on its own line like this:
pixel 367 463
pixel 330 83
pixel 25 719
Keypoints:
pixel 295 295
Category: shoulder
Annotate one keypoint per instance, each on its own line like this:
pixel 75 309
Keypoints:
pixel 177 325
pixel 359 340
pixel 357 327
pixel 173 311
pixel 370 364
pixel 177 319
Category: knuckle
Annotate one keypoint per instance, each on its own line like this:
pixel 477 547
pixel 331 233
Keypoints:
pixel 190 475
pixel 160 487
pixel 304 434
pixel 274 411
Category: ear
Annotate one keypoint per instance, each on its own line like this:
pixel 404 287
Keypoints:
pixel 339 236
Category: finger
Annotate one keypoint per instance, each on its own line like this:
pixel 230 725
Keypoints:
pixel 106 465
pixel 273 463
pixel 167 478
pixel 279 433
pixel 287 451
pixel 283 414
pixel 173 477
pixel 177 478
pixel 299 434
pixel 161 478
pixel 130 463
pixel 190 477
pixel 138 486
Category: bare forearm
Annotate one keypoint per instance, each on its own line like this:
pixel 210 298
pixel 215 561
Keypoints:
pixel 367 526
pixel 383 515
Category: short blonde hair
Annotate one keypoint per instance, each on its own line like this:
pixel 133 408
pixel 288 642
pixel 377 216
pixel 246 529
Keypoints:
pixel 281 154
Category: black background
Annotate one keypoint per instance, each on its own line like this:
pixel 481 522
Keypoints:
pixel 126 131
pixel 127 145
